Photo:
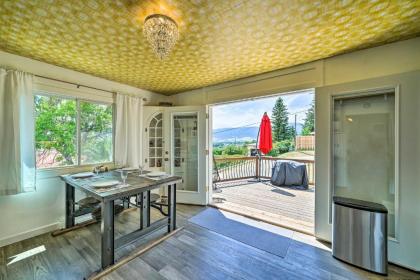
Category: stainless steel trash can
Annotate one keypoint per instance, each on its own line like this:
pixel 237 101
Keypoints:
pixel 360 234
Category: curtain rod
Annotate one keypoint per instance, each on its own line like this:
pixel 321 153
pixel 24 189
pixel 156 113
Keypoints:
pixel 78 85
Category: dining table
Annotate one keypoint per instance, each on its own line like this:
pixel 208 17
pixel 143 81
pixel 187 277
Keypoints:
pixel 138 186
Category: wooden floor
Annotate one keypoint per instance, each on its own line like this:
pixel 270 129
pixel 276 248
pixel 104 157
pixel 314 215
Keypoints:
pixel 76 254
pixel 198 253
pixel 288 207
pixel 192 253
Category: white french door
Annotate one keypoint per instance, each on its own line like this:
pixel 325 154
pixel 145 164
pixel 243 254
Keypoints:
pixel 175 139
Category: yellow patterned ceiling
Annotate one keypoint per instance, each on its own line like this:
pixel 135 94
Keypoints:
pixel 220 40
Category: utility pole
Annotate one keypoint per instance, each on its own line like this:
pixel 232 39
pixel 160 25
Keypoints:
pixel 295 132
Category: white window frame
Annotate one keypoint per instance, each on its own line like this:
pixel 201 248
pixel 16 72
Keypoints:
pixel 59 170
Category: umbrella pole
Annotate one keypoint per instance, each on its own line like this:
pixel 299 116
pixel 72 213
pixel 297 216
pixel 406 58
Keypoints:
pixel 258 177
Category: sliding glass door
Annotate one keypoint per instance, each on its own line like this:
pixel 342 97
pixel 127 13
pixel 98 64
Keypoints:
pixel 364 136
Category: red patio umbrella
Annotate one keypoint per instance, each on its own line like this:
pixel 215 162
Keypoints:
pixel 265 141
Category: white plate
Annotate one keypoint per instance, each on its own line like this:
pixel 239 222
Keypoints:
pixel 104 184
pixel 155 174
pixel 82 175
pixel 129 169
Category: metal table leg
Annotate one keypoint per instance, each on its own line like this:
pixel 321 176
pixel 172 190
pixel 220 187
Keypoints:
pixel 69 206
pixel 126 202
pixel 145 210
pixel 107 233
pixel 171 207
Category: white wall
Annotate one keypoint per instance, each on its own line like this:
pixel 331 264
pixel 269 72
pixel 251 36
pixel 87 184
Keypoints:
pixel 30 214
pixel 388 65
pixel 399 57
pixel 301 77
pixel 405 250
pixel 60 73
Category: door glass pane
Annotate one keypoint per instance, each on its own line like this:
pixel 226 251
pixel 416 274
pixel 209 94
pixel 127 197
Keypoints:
pixel 155 141
pixel 185 150
pixel 95 133
pixel 364 150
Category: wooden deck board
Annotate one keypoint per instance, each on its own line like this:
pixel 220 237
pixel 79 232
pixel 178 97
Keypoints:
pixel 289 207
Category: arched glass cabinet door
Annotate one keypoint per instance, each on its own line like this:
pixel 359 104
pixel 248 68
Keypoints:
pixel 155 156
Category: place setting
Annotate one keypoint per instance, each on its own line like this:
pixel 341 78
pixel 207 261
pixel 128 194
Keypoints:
pixel 141 172
pixel 105 181
pixel 107 184
pixel 153 175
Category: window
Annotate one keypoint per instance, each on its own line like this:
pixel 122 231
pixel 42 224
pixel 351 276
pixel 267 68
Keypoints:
pixel 71 132
pixel 365 150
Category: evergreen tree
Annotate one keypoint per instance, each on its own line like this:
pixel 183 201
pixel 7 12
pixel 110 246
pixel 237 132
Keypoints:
pixel 280 121
pixel 309 124
pixel 290 133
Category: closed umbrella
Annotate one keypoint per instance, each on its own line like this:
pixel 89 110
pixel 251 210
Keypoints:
pixel 265 141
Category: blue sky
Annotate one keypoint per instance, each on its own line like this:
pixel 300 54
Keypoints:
pixel 249 112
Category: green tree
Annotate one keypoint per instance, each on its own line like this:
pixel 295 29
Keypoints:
pixel 96 132
pixel 56 130
pixel 217 151
pixel 55 127
pixel 281 147
pixel 280 122
pixel 309 124
pixel 235 150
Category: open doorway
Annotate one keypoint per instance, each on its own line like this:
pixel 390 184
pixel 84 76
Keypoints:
pixel 243 180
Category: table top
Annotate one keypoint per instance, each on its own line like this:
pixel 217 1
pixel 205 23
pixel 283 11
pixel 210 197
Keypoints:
pixel 136 184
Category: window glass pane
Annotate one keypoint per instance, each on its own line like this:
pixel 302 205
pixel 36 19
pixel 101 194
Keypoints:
pixel 95 133
pixel 364 150
pixel 55 131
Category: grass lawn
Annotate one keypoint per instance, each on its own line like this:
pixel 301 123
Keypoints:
pixel 308 155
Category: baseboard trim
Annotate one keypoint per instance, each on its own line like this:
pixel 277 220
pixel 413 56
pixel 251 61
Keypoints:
pixel 405 266
pixel 28 234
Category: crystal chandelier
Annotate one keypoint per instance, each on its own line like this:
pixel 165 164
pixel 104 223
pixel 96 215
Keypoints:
pixel 162 33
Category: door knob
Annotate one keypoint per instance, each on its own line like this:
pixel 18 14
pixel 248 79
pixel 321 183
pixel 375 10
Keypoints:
pixel 166 159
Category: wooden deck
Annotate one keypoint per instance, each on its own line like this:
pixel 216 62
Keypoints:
pixel 287 207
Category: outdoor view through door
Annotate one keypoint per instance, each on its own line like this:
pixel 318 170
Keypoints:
pixel 276 186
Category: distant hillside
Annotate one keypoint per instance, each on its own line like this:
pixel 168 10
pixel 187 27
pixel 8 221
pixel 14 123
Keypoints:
pixel 235 134
pixel 241 134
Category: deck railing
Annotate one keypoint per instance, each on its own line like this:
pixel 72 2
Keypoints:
pixel 238 168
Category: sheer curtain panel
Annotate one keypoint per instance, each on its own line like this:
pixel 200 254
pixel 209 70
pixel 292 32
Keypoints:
pixel 128 130
pixel 17 134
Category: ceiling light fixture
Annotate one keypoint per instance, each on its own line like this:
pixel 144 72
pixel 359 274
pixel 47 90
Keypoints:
pixel 162 33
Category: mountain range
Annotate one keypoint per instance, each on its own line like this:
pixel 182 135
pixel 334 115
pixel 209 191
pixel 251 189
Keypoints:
pixel 241 134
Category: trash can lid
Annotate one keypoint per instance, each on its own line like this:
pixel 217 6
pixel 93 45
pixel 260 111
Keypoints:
pixel 359 204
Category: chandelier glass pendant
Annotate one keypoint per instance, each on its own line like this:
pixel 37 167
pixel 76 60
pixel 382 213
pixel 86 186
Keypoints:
pixel 162 33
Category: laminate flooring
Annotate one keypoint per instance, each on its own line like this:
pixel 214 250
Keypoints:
pixel 76 254
pixel 191 253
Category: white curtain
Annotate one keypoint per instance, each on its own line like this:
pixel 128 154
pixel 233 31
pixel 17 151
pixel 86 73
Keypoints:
pixel 128 132
pixel 17 133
